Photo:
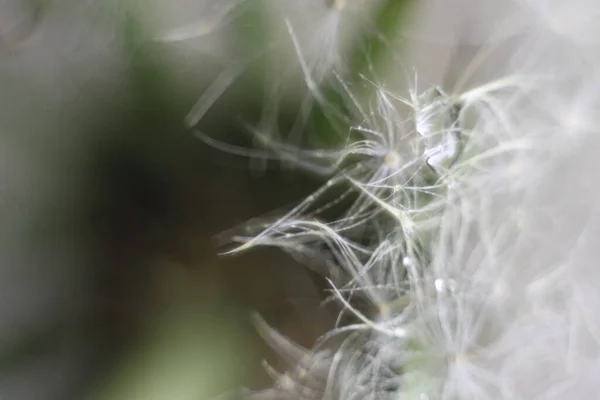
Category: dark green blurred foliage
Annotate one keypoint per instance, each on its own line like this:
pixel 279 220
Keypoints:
pixel 121 223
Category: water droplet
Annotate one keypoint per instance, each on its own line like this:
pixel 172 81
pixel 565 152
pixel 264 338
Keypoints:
pixel 445 285
pixel 437 122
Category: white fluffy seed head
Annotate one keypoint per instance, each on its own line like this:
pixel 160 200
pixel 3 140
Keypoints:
pixel 479 260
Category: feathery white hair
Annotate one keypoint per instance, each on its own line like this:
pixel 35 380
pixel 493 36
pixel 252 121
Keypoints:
pixel 473 232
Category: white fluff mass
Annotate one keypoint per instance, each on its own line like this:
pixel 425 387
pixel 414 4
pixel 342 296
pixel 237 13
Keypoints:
pixel 474 233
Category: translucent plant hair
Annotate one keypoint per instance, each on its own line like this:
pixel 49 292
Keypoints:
pixel 466 217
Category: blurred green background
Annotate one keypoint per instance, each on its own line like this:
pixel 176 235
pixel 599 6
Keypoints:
pixel 110 283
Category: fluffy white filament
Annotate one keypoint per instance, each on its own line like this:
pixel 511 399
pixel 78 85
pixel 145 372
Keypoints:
pixel 473 233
